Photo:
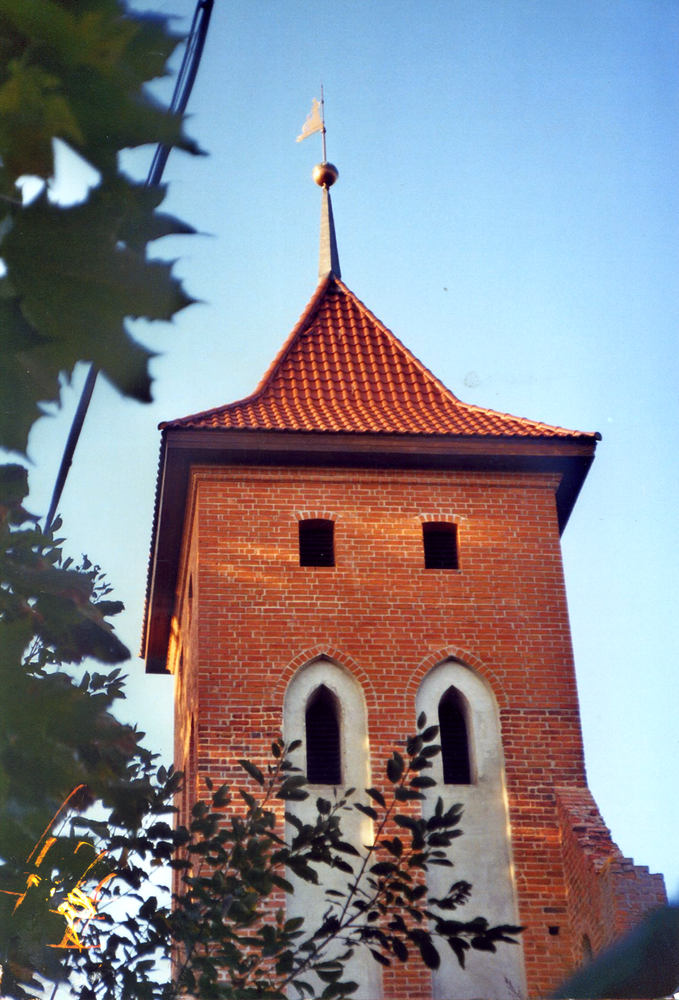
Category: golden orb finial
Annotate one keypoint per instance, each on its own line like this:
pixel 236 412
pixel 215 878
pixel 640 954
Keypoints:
pixel 325 174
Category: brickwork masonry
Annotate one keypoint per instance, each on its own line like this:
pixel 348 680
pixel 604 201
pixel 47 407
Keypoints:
pixel 248 616
pixel 607 893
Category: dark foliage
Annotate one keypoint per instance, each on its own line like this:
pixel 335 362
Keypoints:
pixel 226 938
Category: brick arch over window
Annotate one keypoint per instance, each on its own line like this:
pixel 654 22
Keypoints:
pixel 463 657
pixel 485 824
pixel 315 515
pixel 442 518
pixel 338 656
pixel 326 682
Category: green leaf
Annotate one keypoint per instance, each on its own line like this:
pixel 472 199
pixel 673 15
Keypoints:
pixel 303 870
pixel 303 987
pixel 77 284
pixel 294 821
pixel 399 948
pixel 421 720
pixel 453 814
pixel 25 380
pixel 141 223
pixel 346 848
pixel 250 802
pixel 366 810
pixel 430 734
pixel 422 781
pixel 377 796
pixel 282 883
pixel 406 794
pixel 32 111
pixel 221 797
pixel 430 955
pixel 395 766
pixel 331 991
pixel 482 944
pixel 384 868
pixel 292 795
pixel 343 866
pixel 252 770
pixel 459 947
pixel 294 924
pixel 394 846
pixel 13 489
pixel 294 781
pixel 330 976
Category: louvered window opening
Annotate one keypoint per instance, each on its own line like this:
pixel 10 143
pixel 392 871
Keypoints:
pixel 440 545
pixel 316 543
pixel 454 742
pixel 323 762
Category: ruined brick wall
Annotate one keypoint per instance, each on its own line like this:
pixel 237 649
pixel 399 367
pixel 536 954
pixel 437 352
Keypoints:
pixel 607 893
pixel 257 616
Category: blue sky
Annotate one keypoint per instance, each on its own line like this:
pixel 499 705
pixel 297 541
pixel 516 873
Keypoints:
pixel 507 205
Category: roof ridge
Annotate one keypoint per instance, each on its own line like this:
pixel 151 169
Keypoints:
pixel 342 370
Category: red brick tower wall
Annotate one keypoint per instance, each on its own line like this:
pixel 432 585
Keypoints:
pixel 256 616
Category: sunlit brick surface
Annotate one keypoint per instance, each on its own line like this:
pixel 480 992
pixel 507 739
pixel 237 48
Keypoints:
pixel 257 616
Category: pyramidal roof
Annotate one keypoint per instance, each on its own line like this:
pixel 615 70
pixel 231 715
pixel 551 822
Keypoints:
pixel 341 370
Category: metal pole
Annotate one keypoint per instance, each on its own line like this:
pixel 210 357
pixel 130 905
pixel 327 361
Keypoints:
pixel 325 157
pixel 180 98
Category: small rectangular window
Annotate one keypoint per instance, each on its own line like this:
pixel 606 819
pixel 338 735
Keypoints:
pixel 316 543
pixel 440 545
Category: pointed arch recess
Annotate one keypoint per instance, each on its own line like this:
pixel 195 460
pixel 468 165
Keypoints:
pixel 327 652
pixel 467 659
pixel 485 820
pixel 323 666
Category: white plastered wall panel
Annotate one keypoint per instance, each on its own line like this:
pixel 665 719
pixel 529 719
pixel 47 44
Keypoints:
pixel 310 901
pixel 482 855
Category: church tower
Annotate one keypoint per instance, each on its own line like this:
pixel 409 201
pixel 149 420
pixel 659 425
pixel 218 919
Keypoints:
pixel 351 545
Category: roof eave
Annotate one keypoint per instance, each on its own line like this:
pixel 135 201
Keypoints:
pixel 183 448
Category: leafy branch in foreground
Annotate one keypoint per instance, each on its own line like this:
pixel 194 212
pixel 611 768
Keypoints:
pixel 77 71
pixel 59 741
pixel 227 930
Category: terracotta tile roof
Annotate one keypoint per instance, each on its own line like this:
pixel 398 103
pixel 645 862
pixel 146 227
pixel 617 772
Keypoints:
pixel 342 370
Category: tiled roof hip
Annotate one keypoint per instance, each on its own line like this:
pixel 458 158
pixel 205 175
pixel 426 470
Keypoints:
pixel 342 370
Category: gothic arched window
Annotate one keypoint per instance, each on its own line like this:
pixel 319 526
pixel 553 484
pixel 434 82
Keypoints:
pixel 462 701
pixel 454 740
pixel 323 754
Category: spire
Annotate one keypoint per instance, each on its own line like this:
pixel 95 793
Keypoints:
pixel 325 174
